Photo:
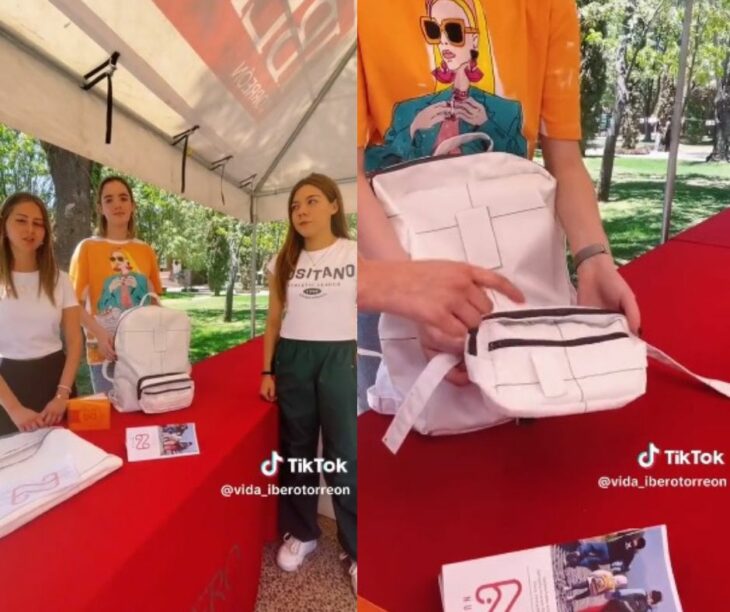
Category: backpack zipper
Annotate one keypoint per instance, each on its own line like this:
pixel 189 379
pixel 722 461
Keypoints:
pixel 547 312
pixel 512 342
pixel 147 392
pixel 534 313
pixel 141 380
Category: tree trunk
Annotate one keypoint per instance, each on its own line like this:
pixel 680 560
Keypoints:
pixel 630 126
pixel 721 148
pixel 235 242
pixel 622 97
pixel 71 176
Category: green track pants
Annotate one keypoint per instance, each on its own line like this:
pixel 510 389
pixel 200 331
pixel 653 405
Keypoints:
pixel 316 385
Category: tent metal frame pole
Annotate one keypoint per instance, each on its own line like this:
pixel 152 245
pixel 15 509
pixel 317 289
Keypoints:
pixel 305 119
pixel 254 248
pixel 676 125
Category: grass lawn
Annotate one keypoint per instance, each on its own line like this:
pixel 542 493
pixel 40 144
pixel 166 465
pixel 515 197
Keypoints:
pixel 633 215
pixel 210 334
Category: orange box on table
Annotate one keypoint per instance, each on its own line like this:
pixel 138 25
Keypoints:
pixel 87 413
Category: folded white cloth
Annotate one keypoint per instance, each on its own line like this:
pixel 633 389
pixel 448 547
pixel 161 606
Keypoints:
pixel 41 469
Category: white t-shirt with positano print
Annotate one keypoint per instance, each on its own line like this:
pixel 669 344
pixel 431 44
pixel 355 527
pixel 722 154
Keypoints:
pixel 321 297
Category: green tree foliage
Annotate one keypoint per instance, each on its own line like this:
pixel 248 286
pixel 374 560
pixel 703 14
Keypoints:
pixel 23 166
pixel 593 70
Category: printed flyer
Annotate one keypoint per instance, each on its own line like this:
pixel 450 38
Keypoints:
pixel 628 571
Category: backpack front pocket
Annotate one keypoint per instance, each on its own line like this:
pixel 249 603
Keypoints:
pixel 549 362
pixel 165 392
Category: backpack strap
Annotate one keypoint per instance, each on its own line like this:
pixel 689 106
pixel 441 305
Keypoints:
pixel 722 387
pixel 151 294
pixel 417 398
pixel 460 139
pixel 105 370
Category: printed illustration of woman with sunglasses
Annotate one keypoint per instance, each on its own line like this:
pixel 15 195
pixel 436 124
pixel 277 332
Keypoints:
pixel 126 288
pixel 458 44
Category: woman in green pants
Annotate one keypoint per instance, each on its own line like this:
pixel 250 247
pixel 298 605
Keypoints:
pixel 309 367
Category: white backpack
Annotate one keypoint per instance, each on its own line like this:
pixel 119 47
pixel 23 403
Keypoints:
pixel 152 371
pixel 547 357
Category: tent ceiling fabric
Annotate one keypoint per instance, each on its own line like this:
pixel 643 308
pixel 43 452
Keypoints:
pixel 248 72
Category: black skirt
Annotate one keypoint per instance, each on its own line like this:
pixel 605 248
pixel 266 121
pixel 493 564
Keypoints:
pixel 33 381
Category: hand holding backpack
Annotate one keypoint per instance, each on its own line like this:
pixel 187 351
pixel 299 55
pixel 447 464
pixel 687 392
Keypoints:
pixel 152 371
pixel 547 357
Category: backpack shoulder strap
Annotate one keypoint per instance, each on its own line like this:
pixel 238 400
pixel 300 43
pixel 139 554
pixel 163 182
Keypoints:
pixel 722 387
pixel 417 398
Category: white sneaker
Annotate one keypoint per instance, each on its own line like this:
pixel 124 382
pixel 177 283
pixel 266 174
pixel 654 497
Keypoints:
pixel 352 571
pixel 353 576
pixel 292 553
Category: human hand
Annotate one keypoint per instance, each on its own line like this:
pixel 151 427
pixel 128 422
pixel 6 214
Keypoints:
pixel 25 419
pixel 53 413
pixel 268 388
pixel 471 111
pixel 452 300
pixel 430 116
pixel 446 295
pixel 601 286
pixel 435 341
pixel 105 344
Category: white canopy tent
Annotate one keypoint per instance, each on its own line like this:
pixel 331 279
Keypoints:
pixel 270 83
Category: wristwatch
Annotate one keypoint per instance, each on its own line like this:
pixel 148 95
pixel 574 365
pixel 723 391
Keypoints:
pixel 587 252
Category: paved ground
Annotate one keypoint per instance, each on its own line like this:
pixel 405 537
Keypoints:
pixel 686 152
pixel 321 585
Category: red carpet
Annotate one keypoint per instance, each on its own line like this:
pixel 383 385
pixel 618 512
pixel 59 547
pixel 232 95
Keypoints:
pixel 448 499
pixel 158 535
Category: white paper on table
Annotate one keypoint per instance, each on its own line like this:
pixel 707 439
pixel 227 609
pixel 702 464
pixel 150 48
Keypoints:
pixel 158 442
pixel 22 490
pixel 41 469
pixel 567 577
pixel 518 582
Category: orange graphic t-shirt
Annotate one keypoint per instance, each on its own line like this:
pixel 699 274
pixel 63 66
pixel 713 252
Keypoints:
pixel 111 277
pixel 430 70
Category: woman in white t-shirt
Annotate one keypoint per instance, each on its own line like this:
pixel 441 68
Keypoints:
pixel 37 303
pixel 309 366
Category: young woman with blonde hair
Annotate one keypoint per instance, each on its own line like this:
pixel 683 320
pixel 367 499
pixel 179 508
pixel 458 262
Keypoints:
pixel 37 307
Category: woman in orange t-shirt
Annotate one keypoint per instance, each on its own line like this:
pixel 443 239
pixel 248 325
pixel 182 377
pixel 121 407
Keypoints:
pixel 509 70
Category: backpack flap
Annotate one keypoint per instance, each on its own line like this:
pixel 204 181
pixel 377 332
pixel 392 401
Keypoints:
pixel 556 361
pixel 165 392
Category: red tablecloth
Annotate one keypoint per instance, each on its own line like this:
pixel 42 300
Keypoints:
pixel 714 231
pixel 448 499
pixel 158 535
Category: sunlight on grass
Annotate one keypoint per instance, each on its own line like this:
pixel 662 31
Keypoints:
pixel 633 215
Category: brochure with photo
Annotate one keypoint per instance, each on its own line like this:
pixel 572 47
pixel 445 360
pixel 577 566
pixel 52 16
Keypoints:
pixel 627 571
pixel 161 442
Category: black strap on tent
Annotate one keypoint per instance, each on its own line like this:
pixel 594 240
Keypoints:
pixel 98 74
pixel 183 136
pixel 221 164
pixel 247 184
